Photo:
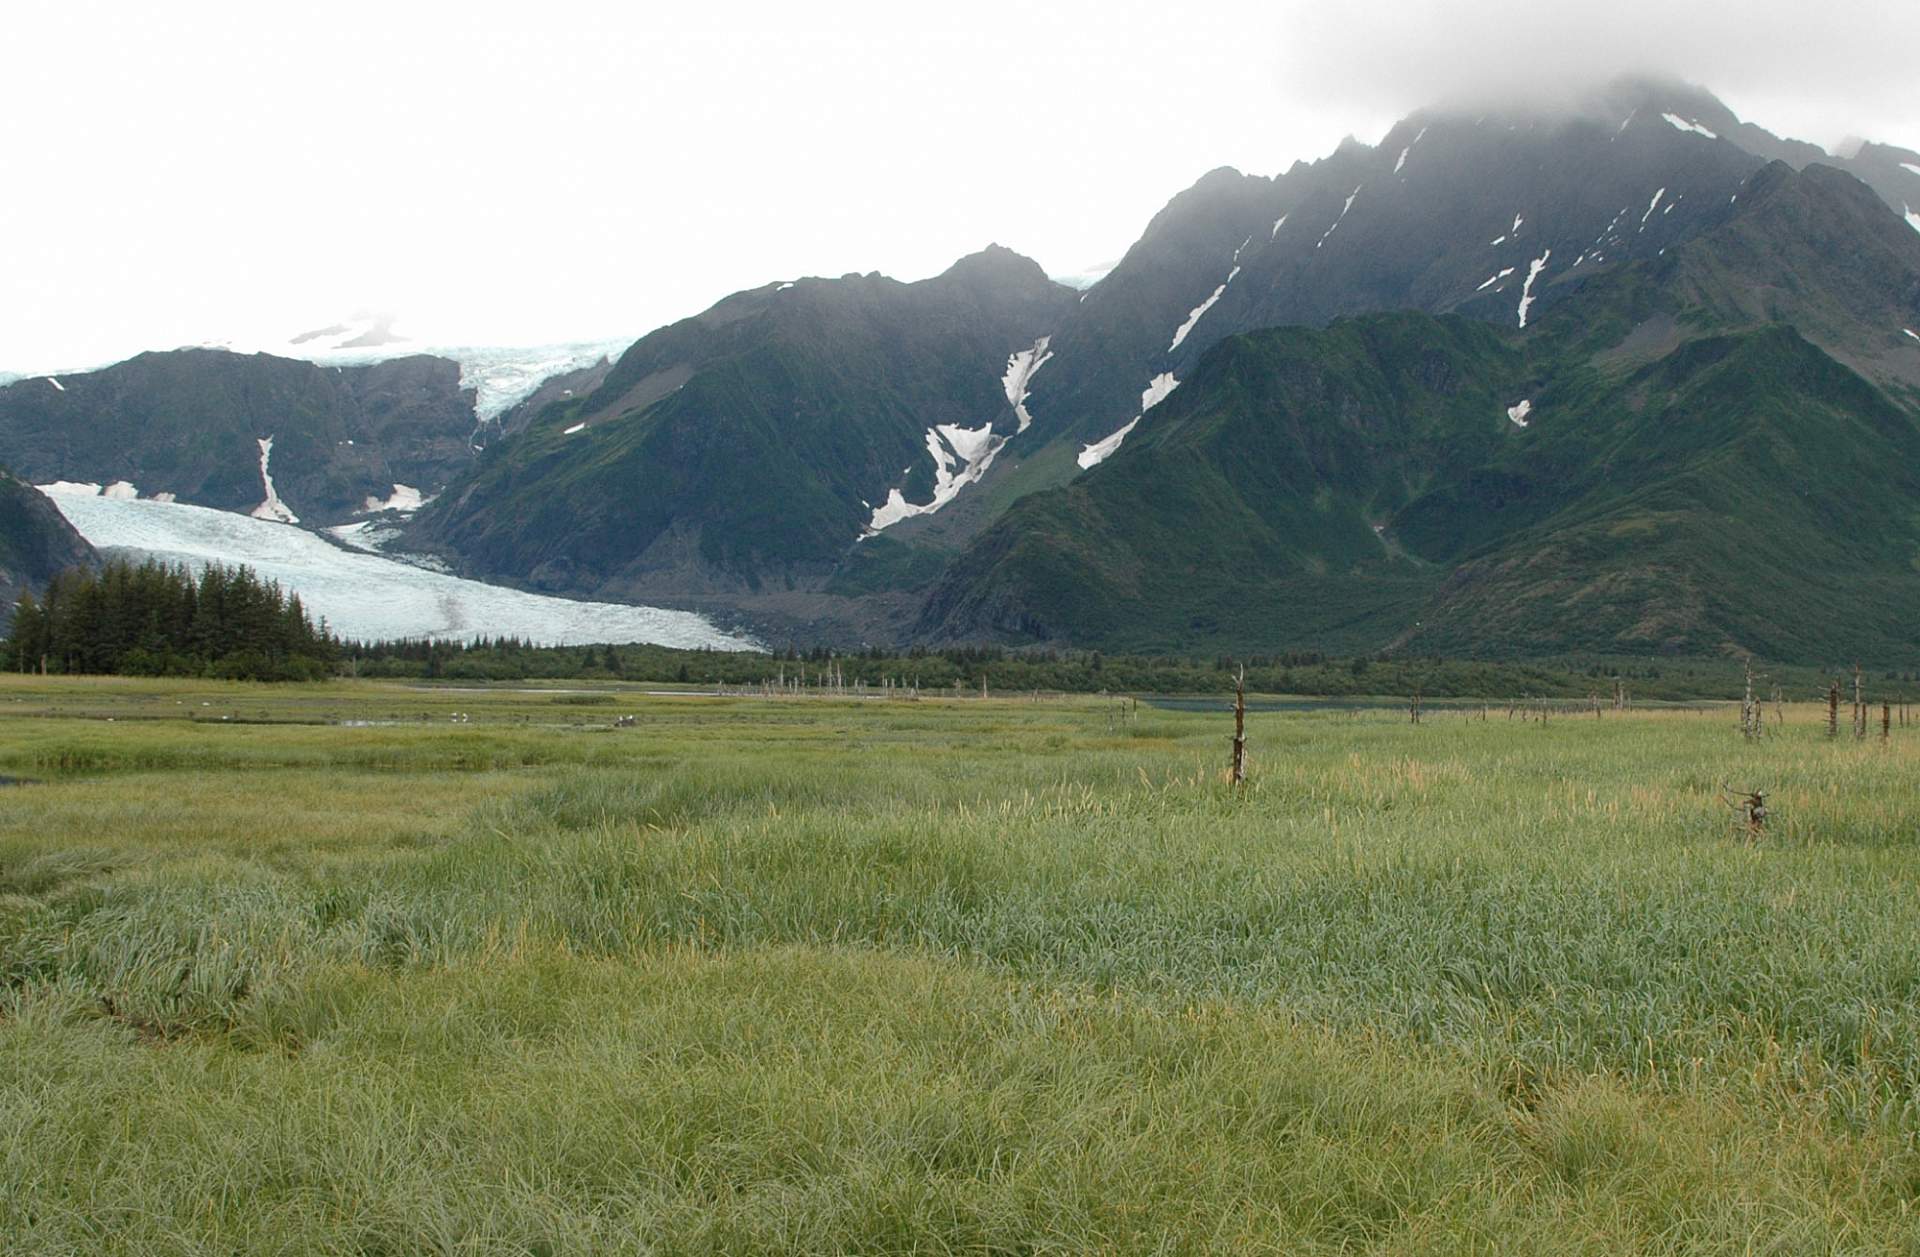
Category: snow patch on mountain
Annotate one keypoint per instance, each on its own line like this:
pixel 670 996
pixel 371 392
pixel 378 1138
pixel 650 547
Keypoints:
pixel 1910 167
pixel 404 498
pixel 1913 219
pixel 961 457
pixel 1402 163
pixel 272 508
pixel 1681 124
pixel 578 427
pixel 1193 316
pixel 57 384
pixel 1518 414
pixel 1157 391
pixel 1909 331
pixel 1278 223
pixel 362 595
pixel 1195 313
pixel 1100 451
pixel 971 444
pixel 1652 205
pixel 1533 273
pixel 1343 215
pixel 1021 368
pixel 1494 279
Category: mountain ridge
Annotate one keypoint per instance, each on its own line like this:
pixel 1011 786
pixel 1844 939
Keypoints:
pixel 36 544
pixel 190 423
pixel 1592 508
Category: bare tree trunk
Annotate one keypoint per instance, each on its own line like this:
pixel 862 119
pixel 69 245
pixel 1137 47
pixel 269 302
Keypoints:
pixel 1239 770
pixel 1750 812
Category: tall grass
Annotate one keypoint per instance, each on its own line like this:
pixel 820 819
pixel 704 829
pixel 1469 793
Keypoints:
pixel 960 976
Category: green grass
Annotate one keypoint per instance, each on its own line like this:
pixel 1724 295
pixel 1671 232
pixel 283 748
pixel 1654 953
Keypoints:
pixel 953 976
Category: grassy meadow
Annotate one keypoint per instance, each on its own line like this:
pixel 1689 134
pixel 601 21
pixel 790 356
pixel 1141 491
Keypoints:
pixel 361 968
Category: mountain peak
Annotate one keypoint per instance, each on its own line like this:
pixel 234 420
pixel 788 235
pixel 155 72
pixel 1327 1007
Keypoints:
pixel 996 264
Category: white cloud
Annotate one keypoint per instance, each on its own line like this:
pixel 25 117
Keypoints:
pixel 565 170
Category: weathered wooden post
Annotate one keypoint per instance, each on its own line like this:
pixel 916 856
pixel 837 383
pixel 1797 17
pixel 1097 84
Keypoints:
pixel 1859 706
pixel 1239 770
pixel 1833 709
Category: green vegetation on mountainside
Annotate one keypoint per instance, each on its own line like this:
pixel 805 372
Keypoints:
pixel 747 448
pixel 1695 471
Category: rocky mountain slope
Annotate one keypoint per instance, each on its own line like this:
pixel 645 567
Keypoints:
pixel 1491 215
pixel 36 543
pixel 752 446
pixel 1669 458
pixel 853 439
pixel 1460 390
pixel 246 432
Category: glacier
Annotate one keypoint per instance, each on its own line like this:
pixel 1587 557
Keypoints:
pixel 501 376
pixel 367 596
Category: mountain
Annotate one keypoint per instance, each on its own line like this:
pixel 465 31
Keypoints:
pixel 36 543
pixel 246 432
pixel 1715 447
pixel 1518 379
pixel 824 455
pixel 1493 215
pixel 747 450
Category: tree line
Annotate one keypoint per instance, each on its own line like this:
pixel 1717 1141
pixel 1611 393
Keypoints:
pixel 1007 671
pixel 153 619
pixel 158 619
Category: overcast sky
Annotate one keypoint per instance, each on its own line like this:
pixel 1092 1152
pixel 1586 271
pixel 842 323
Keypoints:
pixel 535 172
